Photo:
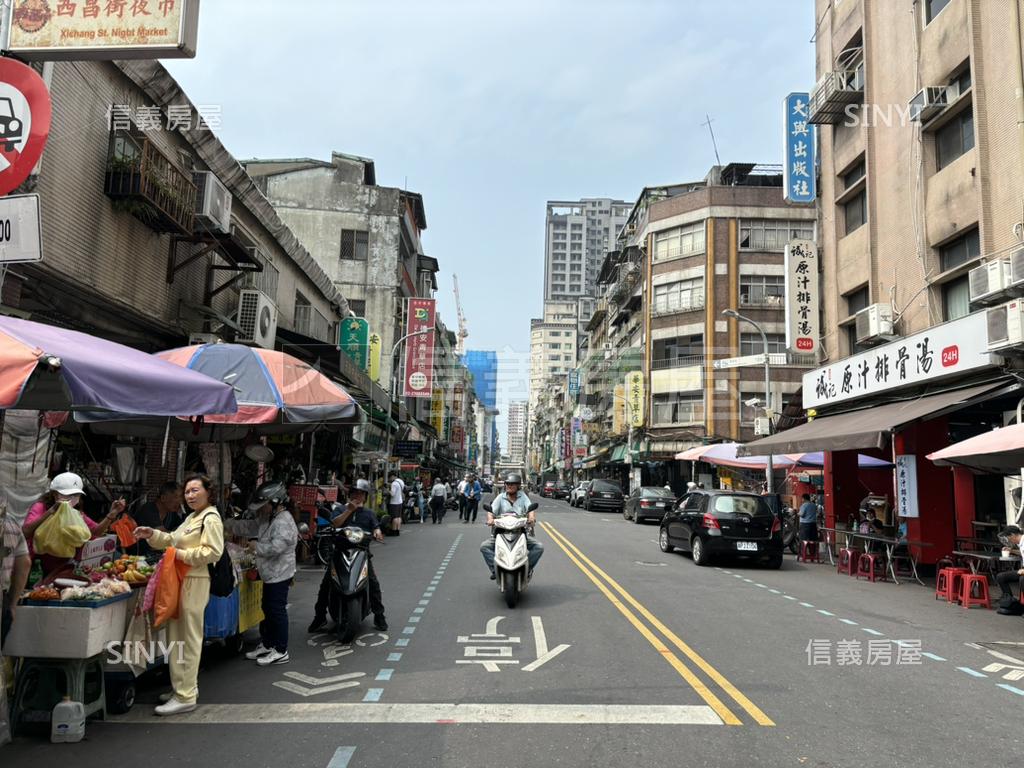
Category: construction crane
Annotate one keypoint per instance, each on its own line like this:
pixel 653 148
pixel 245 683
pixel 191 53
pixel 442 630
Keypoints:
pixel 460 347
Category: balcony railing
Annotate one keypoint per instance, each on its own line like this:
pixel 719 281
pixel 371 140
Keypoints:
pixel 684 361
pixel 309 322
pixel 679 413
pixel 766 301
pixel 666 306
pixel 148 185
pixel 834 93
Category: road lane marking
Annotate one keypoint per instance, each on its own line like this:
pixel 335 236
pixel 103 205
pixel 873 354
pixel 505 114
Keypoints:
pixel 433 714
pixel 752 709
pixel 540 640
pixel 851 622
pixel 1010 688
pixel 305 692
pixel 823 612
pixel 789 597
pixel 806 605
pixel 402 642
pixel 775 591
pixel 933 657
pixel 418 610
pixel 373 694
pixel 394 657
pixel 971 672
pixel 342 756
pixel 874 632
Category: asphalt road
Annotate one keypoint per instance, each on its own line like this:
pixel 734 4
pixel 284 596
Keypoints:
pixel 617 655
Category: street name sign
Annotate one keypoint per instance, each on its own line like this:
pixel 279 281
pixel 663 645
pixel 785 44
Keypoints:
pixel 20 233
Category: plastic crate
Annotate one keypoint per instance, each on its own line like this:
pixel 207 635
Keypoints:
pixel 221 617
pixel 303 494
pixel 330 492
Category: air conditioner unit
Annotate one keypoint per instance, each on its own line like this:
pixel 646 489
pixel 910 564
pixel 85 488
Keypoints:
pixel 1005 325
pixel 1017 267
pixel 988 281
pixel 874 323
pixel 927 103
pixel 204 338
pixel 213 202
pixel 257 318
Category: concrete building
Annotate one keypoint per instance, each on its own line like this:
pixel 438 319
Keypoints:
pixel 577 235
pixel 517 414
pixel 366 237
pixel 553 345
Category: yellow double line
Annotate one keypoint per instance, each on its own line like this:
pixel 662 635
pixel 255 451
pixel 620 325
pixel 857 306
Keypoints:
pixel 595 574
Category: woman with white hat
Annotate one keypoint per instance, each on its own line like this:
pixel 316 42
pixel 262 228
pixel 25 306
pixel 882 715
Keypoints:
pixel 66 486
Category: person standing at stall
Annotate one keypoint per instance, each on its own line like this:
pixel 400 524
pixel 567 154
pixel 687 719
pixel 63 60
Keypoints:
pixel 15 565
pixel 275 560
pixel 161 514
pixel 199 543
pixel 68 487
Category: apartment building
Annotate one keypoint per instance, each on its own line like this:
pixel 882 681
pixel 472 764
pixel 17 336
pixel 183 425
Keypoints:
pixel 517 412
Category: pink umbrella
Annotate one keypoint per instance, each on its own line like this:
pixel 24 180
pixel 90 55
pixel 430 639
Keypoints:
pixel 1000 451
pixel 724 454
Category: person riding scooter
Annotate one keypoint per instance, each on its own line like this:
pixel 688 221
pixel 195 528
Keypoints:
pixel 358 515
pixel 511 502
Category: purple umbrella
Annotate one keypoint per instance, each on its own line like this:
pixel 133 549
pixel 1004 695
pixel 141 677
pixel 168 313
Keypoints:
pixel 53 369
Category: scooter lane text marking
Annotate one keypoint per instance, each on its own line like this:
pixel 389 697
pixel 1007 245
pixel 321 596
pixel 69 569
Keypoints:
pixel 752 709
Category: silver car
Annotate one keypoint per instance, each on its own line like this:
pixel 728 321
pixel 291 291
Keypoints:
pixel 578 493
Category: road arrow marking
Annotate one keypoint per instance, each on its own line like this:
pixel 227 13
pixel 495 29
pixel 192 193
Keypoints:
pixel 307 692
pixel 322 680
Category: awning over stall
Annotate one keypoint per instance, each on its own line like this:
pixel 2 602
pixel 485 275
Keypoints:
pixel 863 429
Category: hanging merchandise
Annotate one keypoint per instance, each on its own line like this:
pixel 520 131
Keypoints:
pixel 62 533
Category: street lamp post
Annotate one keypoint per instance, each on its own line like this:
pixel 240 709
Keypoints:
pixel 769 469
pixel 392 387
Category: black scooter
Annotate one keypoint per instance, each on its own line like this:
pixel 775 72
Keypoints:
pixel 349 600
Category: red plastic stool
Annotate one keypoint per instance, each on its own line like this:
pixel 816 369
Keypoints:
pixel 956 576
pixel 947 583
pixel 848 560
pixel 868 566
pixel 810 552
pixel 967 584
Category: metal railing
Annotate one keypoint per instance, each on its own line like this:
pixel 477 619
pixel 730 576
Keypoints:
pixel 684 361
pixel 309 322
pixel 665 305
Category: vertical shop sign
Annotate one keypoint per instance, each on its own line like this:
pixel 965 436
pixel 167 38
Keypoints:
pixel 419 349
pixel 906 485
pixel 635 398
pixel 437 411
pixel 574 382
pixel 354 334
pixel 800 170
pixel 619 409
pixel 802 332
pixel 373 363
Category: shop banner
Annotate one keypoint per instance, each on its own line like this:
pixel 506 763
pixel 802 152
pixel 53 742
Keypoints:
pixel 635 398
pixel 94 30
pixel 446 433
pixel 437 411
pixel 619 409
pixel 799 171
pixel 574 382
pixel 353 338
pixel 373 363
pixel 408 449
pixel 949 349
pixel 906 486
pixel 802 288
pixel 419 349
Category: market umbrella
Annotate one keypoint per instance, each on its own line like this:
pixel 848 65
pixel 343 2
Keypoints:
pixel 1000 451
pixel 724 454
pixel 817 459
pixel 47 368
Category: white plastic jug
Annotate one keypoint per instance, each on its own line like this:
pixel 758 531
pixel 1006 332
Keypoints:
pixel 68 721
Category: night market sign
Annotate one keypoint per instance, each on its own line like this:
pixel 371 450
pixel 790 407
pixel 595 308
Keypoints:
pixel 945 350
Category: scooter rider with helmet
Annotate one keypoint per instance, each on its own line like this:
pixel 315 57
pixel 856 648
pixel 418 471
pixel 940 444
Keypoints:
pixel 358 515
pixel 512 502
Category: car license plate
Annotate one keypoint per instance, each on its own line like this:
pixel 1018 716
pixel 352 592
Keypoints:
pixel 746 546
pixel 607 496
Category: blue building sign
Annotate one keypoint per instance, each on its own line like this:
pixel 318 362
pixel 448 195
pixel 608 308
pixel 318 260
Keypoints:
pixel 574 382
pixel 800 172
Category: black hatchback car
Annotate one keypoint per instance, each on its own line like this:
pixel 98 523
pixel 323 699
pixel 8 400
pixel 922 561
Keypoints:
pixel 603 494
pixel 708 523
pixel 648 502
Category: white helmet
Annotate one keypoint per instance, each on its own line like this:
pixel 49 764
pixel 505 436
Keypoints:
pixel 67 484
pixel 691 485
pixel 362 484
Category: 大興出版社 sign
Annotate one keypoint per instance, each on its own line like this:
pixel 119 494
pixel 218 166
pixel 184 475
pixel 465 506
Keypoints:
pixel 944 350
pixel 56 30
pixel 799 173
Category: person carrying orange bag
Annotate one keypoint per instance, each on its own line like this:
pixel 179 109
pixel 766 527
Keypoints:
pixel 198 543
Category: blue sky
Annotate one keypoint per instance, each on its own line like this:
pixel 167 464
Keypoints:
pixel 490 109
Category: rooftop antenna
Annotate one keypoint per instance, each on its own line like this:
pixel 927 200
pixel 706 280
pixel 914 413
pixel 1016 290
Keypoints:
pixel 718 160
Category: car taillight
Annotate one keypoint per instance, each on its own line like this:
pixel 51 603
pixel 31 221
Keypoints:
pixel 776 526
pixel 710 521
pixel 644 503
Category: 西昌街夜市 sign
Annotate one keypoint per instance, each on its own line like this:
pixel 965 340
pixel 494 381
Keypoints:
pixel 944 350
pixel 88 29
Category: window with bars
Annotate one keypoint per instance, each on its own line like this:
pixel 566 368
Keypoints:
pixel 954 138
pixel 358 306
pixel 679 296
pixel 678 408
pixel 682 241
pixel 265 280
pixel 762 290
pixel 773 234
pixel 355 244
pixel 751 343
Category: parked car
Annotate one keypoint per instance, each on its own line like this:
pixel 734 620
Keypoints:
pixel 603 494
pixel 648 502
pixel 708 523
pixel 577 493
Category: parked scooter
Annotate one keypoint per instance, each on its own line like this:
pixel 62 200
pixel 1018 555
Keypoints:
pixel 323 539
pixel 511 565
pixel 349 601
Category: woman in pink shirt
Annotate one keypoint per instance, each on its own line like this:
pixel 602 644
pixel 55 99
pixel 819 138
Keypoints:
pixel 66 486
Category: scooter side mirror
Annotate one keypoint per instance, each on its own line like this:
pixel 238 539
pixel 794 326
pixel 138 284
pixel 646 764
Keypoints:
pixel 532 507
pixel 487 507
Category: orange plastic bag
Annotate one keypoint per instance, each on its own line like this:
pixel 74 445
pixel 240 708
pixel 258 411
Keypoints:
pixel 124 527
pixel 168 588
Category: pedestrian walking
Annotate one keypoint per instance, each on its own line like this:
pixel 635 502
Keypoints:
pixel 199 543
pixel 461 495
pixel 274 547
pixel 474 492
pixel 438 498
pixel 397 501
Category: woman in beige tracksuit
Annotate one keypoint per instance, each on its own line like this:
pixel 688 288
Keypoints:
pixel 199 542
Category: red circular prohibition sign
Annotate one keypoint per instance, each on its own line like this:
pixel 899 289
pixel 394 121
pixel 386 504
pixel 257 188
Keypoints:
pixel 24 158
